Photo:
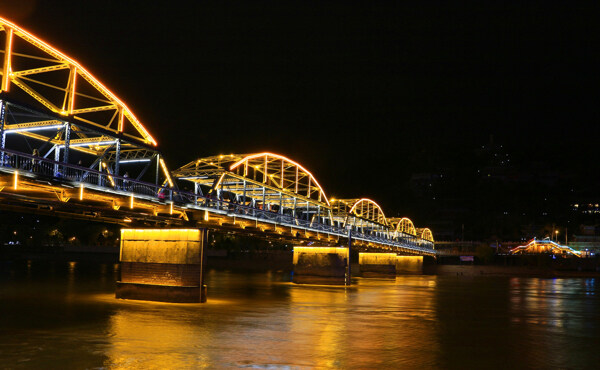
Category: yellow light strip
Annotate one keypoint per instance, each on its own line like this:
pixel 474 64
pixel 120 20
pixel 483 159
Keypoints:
pixel 220 180
pixel 427 234
pixel 369 201
pixel 52 122
pixel 23 86
pixel 266 169
pixel 82 71
pixel 16 182
pixel 103 165
pixel 72 96
pixel 34 71
pixel 131 201
pixel 257 155
pixel 120 124
pixel 81 191
pixel 7 57
pixel 411 227
pixel 166 172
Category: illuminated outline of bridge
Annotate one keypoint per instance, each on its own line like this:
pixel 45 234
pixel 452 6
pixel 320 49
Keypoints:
pixel 88 137
pixel 536 246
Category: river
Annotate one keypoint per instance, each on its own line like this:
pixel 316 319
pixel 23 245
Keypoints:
pixel 64 315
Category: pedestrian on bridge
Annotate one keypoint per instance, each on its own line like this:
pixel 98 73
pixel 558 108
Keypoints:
pixel 35 162
pixel 125 181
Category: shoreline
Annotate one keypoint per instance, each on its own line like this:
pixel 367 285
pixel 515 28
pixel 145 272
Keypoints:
pixel 507 271
pixel 281 261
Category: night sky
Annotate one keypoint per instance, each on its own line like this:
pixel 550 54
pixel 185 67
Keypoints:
pixel 364 95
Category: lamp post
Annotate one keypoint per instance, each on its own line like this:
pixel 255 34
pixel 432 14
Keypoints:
pixel 348 268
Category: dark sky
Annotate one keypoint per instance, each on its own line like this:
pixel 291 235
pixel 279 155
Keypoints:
pixel 362 94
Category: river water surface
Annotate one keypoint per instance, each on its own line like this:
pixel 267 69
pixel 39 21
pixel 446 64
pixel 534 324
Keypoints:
pixel 64 315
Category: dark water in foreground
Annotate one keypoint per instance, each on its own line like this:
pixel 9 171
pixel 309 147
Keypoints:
pixel 65 316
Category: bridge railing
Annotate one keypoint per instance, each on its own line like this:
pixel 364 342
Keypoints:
pixel 40 167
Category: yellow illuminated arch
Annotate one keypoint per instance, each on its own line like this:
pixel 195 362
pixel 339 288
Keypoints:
pixel 535 246
pixel 427 234
pixel 281 172
pixel 61 84
pixel 405 225
pixel 368 209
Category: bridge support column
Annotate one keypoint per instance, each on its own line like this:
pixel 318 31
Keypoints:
pixel 2 133
pixel 162 265
pixel 409 265
pixel 320 265
pixel 377 264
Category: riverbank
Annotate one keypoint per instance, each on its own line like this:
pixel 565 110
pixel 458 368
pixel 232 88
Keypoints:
pixel 281 261
pixel 510 271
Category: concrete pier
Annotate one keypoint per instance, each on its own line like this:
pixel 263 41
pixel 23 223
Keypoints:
pixel 320 265
pixel 162 265
pixel 377 264
pixel 409 265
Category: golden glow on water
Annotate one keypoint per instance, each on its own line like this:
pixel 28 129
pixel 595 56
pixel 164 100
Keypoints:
pixel 314 327
pixel 135 332
pixel 109 298
pixel 319 326
pixel 263 321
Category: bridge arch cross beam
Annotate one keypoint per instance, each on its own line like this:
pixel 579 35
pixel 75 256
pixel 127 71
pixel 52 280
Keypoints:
pixel 33 68
pixel 363 214
pixel 281 172
pixel 265 181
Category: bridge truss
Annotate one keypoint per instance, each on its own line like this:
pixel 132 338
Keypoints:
pixel 68 145
pixel 545 246
pixel 278 190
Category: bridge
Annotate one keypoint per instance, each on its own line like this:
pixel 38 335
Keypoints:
pixel 70 147
pixel 539 246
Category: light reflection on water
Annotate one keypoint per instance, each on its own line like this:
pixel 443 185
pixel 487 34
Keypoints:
pixel 65 316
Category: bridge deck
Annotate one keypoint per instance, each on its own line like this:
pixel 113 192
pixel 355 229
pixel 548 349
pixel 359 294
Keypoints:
pixel 133 200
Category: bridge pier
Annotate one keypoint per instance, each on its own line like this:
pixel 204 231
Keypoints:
pixel 377 264
pixel 409 265
pixel 164 265
pixel 320 265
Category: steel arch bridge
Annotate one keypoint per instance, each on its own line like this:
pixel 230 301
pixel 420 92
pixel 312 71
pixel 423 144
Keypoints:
pixel 70 146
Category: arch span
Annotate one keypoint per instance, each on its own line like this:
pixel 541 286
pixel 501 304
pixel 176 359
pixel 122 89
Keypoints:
pixel 368 209
pixel 361 214
pixel 266 181
pixel 51 79
pixel 405 225
pixel 425 234
pixel 282 172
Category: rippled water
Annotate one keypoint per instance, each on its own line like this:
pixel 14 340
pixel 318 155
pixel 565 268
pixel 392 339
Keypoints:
pixel 66 316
